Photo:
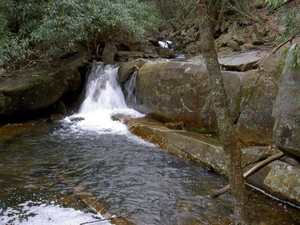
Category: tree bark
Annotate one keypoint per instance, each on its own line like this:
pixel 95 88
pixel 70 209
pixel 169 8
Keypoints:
pixel 225 125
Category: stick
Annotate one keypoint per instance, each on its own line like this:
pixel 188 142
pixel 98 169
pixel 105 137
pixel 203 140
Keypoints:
pixel 283 43
pixel 253 170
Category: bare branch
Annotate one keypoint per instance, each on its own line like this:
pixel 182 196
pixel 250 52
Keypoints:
pixel 250 172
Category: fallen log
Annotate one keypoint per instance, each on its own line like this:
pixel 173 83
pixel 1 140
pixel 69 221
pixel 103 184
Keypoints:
pixel 250 172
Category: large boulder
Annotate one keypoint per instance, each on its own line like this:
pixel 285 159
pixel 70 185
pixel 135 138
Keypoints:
pixel 180 91
pixel 287 112
pixel 259 90
pixel 128 68
pixel 36 89
pixel 255 123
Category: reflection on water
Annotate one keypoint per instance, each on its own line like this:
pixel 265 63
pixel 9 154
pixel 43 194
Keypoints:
pixel 121 173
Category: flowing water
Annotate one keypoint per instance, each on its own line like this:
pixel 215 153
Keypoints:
pixel 43 165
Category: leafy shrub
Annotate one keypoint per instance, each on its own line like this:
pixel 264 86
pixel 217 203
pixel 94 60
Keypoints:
pixel 54 27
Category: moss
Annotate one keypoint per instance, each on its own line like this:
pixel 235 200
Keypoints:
pixel 285 180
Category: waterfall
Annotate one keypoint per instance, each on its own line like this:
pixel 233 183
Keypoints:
pixel 130 90
pixel 103 91
pixel 103 98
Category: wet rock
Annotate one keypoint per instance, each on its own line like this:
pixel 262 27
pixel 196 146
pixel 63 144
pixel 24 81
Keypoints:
pixel 126 69
pixel 179 91
pixel 119 117
pixel 183 143
pixel 36 89
pixel 76 119
pixel 10 131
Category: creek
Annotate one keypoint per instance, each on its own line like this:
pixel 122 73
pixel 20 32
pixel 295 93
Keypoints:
pixel 43 164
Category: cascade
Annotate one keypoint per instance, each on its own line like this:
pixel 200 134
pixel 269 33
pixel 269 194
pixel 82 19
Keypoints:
pixel 103 91
pixel 103 98
pixel 130 90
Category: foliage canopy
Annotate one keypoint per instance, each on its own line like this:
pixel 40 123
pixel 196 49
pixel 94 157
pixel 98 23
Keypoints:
pixel 35 28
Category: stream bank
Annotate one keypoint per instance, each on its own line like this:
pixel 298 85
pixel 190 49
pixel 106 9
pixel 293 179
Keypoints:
pixel 82 168
pixel 176 93
pixel 280 178
pixel 123 172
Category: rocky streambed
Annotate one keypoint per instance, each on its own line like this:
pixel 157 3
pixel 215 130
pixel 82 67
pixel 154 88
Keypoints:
pixel 178 92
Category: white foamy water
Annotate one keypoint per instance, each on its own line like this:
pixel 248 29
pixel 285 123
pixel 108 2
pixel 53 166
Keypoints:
pixel 35 213
pixel 103 99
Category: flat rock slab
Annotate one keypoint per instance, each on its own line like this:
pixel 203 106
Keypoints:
pixel 241 61
pixel 278 178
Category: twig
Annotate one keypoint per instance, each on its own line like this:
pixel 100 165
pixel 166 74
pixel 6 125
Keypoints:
pixel 245 14
pixel 253 170
pixel 283 43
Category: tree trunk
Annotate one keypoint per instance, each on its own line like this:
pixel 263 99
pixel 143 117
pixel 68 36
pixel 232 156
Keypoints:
pixel 225 125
